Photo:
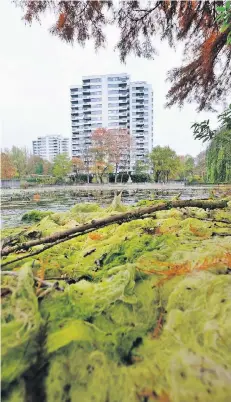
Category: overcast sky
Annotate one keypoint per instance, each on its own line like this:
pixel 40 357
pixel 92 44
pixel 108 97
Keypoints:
pixel 37 70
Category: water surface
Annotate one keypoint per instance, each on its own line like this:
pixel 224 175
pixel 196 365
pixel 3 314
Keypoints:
pixel 16 202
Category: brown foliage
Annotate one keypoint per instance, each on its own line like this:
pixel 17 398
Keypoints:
pixel 120 146
pixel 197 232
pixel 139 22
pixel 78 165
pixel 8 170
pixel 110 148
pixel 158 327
pixel 176 269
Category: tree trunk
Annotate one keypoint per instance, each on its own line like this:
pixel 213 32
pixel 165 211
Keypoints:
pixel 116 173
pixel 157 174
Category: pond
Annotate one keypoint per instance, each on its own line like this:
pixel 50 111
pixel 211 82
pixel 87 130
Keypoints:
pixel 16 202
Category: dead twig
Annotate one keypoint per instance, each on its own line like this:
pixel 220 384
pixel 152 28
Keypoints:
pixel 54 285
pixel 36 252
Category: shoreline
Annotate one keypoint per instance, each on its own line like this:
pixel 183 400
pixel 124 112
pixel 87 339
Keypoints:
pixel 110 187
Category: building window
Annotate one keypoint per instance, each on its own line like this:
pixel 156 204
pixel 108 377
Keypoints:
pixel 96 125
pixel 96 118
pixel 95 80
pixel 113 91
pixel 117 79
pixel 112 124
pixel 113 111
pixel 113 104
pixel 116 98
pixel 99 105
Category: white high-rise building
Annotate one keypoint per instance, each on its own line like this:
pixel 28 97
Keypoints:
pixel 49 146
pixel 112 101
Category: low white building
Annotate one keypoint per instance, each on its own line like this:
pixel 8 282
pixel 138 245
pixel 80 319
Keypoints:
pixel 49 146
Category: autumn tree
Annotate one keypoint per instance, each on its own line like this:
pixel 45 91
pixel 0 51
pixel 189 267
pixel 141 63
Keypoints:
pixel 202 26
pixel 100 153
pixel 87 160
pixel 77 166
pixel 35 164
pixel 119 149
pixel 165 163
pixel 8 170
pixel 47 167
pixel 19 157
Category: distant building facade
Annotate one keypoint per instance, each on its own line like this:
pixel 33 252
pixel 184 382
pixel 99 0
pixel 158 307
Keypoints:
pixel 49 146
pixel 112 101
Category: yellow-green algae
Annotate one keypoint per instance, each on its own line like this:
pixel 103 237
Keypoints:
pixel 122 333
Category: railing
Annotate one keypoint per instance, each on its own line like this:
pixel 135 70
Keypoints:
pixel 10 183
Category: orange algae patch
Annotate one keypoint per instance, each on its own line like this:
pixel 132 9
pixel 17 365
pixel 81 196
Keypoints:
pixel 176 269
pixel 36 197
pixel 197 232
pixel 95 236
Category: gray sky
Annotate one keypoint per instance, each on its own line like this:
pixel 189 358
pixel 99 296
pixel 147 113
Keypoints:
pixel 37 70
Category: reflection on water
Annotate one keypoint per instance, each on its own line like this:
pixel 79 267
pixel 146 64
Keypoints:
pixel 16 203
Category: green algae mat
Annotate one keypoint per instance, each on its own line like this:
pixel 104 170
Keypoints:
pixel 142 312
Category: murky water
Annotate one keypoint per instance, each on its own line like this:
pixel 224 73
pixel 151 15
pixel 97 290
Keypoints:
pixel 16 202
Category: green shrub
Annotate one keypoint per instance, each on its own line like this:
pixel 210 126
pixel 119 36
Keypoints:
pixel 35 216
pixel 195 179
pixel 141 178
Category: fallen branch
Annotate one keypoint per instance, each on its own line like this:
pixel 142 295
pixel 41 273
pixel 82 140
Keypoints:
pixel 223 234
pixel 36 252
pixel 118 218
pixel 9 239
pixel 210 219
pixel 54 285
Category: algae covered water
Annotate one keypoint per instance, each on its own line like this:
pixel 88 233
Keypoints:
pixel 143 314
pixel 17 202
